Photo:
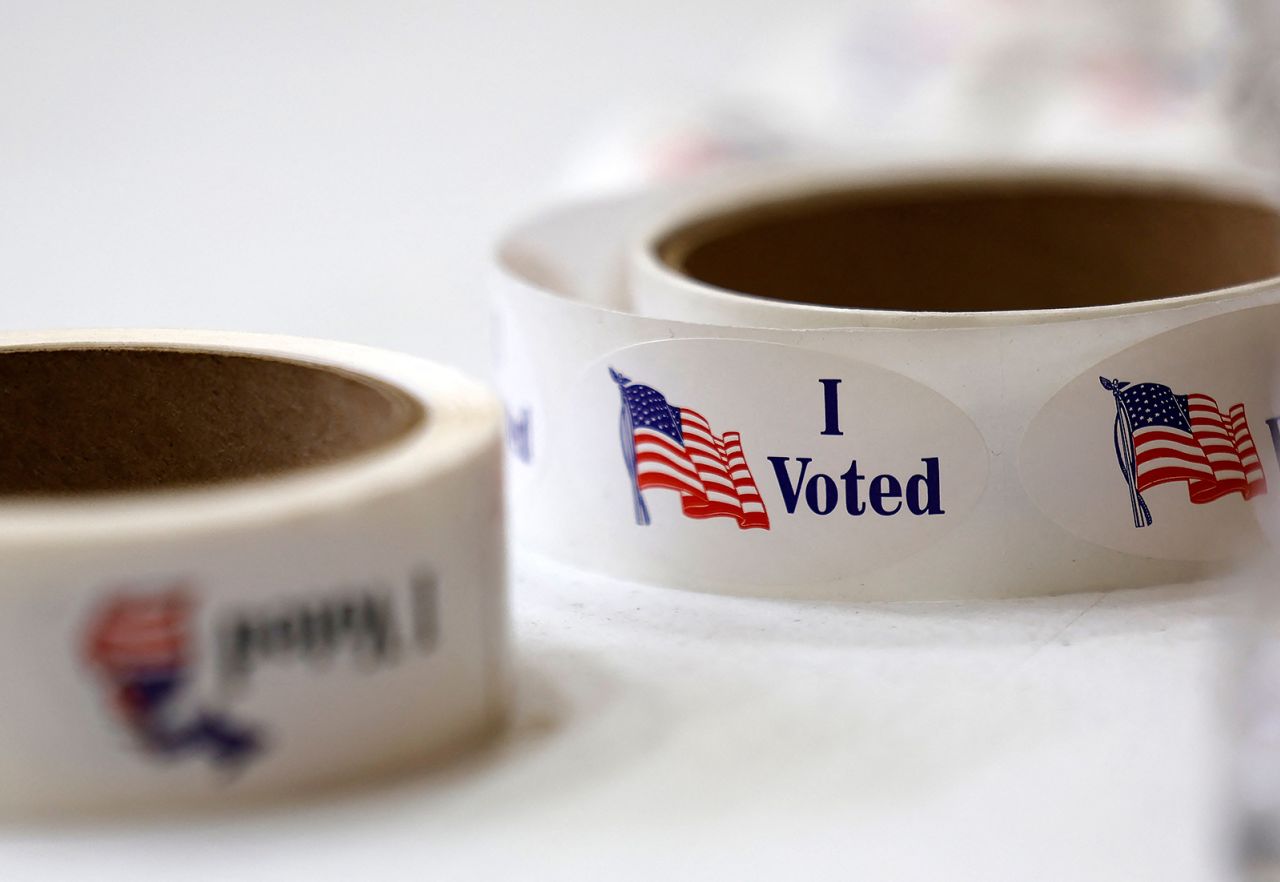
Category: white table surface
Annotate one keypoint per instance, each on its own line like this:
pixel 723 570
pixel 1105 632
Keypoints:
pixel 340 169
pixel 667 735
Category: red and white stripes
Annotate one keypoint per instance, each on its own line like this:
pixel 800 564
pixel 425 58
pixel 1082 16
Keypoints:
pixel 709 471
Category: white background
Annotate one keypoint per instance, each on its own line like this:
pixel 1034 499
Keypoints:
pixel 319 168
pixel 340 170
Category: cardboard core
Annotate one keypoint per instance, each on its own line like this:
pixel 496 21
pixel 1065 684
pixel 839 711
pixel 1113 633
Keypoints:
pixel 130 419
pixel 982 246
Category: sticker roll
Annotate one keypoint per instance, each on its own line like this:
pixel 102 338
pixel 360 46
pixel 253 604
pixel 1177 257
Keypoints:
pixel 238 567
pixel 896 384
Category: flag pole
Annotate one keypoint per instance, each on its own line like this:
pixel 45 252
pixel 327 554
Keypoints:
pixel 1122 437
pixel 628 437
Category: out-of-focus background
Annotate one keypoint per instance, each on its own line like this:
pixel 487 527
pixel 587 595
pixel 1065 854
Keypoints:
pixel 335 169
pixel 341 169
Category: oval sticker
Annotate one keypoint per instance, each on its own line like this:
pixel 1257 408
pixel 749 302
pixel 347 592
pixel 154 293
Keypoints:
pixel 759 463
pixel 1165 450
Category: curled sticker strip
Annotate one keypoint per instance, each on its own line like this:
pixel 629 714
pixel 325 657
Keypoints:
pixel 673 429
pixel 239 565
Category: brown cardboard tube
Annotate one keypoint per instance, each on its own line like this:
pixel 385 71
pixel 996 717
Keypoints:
pixel 127 419
pixel 981 246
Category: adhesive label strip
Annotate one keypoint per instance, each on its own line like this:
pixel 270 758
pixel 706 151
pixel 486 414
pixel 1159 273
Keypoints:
pixel 664 431
pixel 238 566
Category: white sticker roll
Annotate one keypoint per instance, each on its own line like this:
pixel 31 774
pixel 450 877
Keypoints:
pixel 236 566
pixel 896 384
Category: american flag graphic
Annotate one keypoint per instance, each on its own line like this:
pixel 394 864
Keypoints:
pixel 675 448
pixel 1162 437
pixel 140 644
pixel 134 634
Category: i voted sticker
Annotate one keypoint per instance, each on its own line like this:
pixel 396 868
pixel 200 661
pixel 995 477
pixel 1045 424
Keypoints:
pixel 751 461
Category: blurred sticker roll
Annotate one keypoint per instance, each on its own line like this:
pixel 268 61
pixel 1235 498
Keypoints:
pixel 238 566
pixel 934 382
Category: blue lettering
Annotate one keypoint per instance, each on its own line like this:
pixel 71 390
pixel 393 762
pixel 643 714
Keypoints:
pixel 790 493
pixel 829 493
pixel 851 478
pixel 882 488
pixel 928 486
pixel 831 407
pixel 886 494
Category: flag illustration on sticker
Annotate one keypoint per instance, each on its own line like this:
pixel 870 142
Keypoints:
pixel 674 448
pixel 141 647
pixel 1162 437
